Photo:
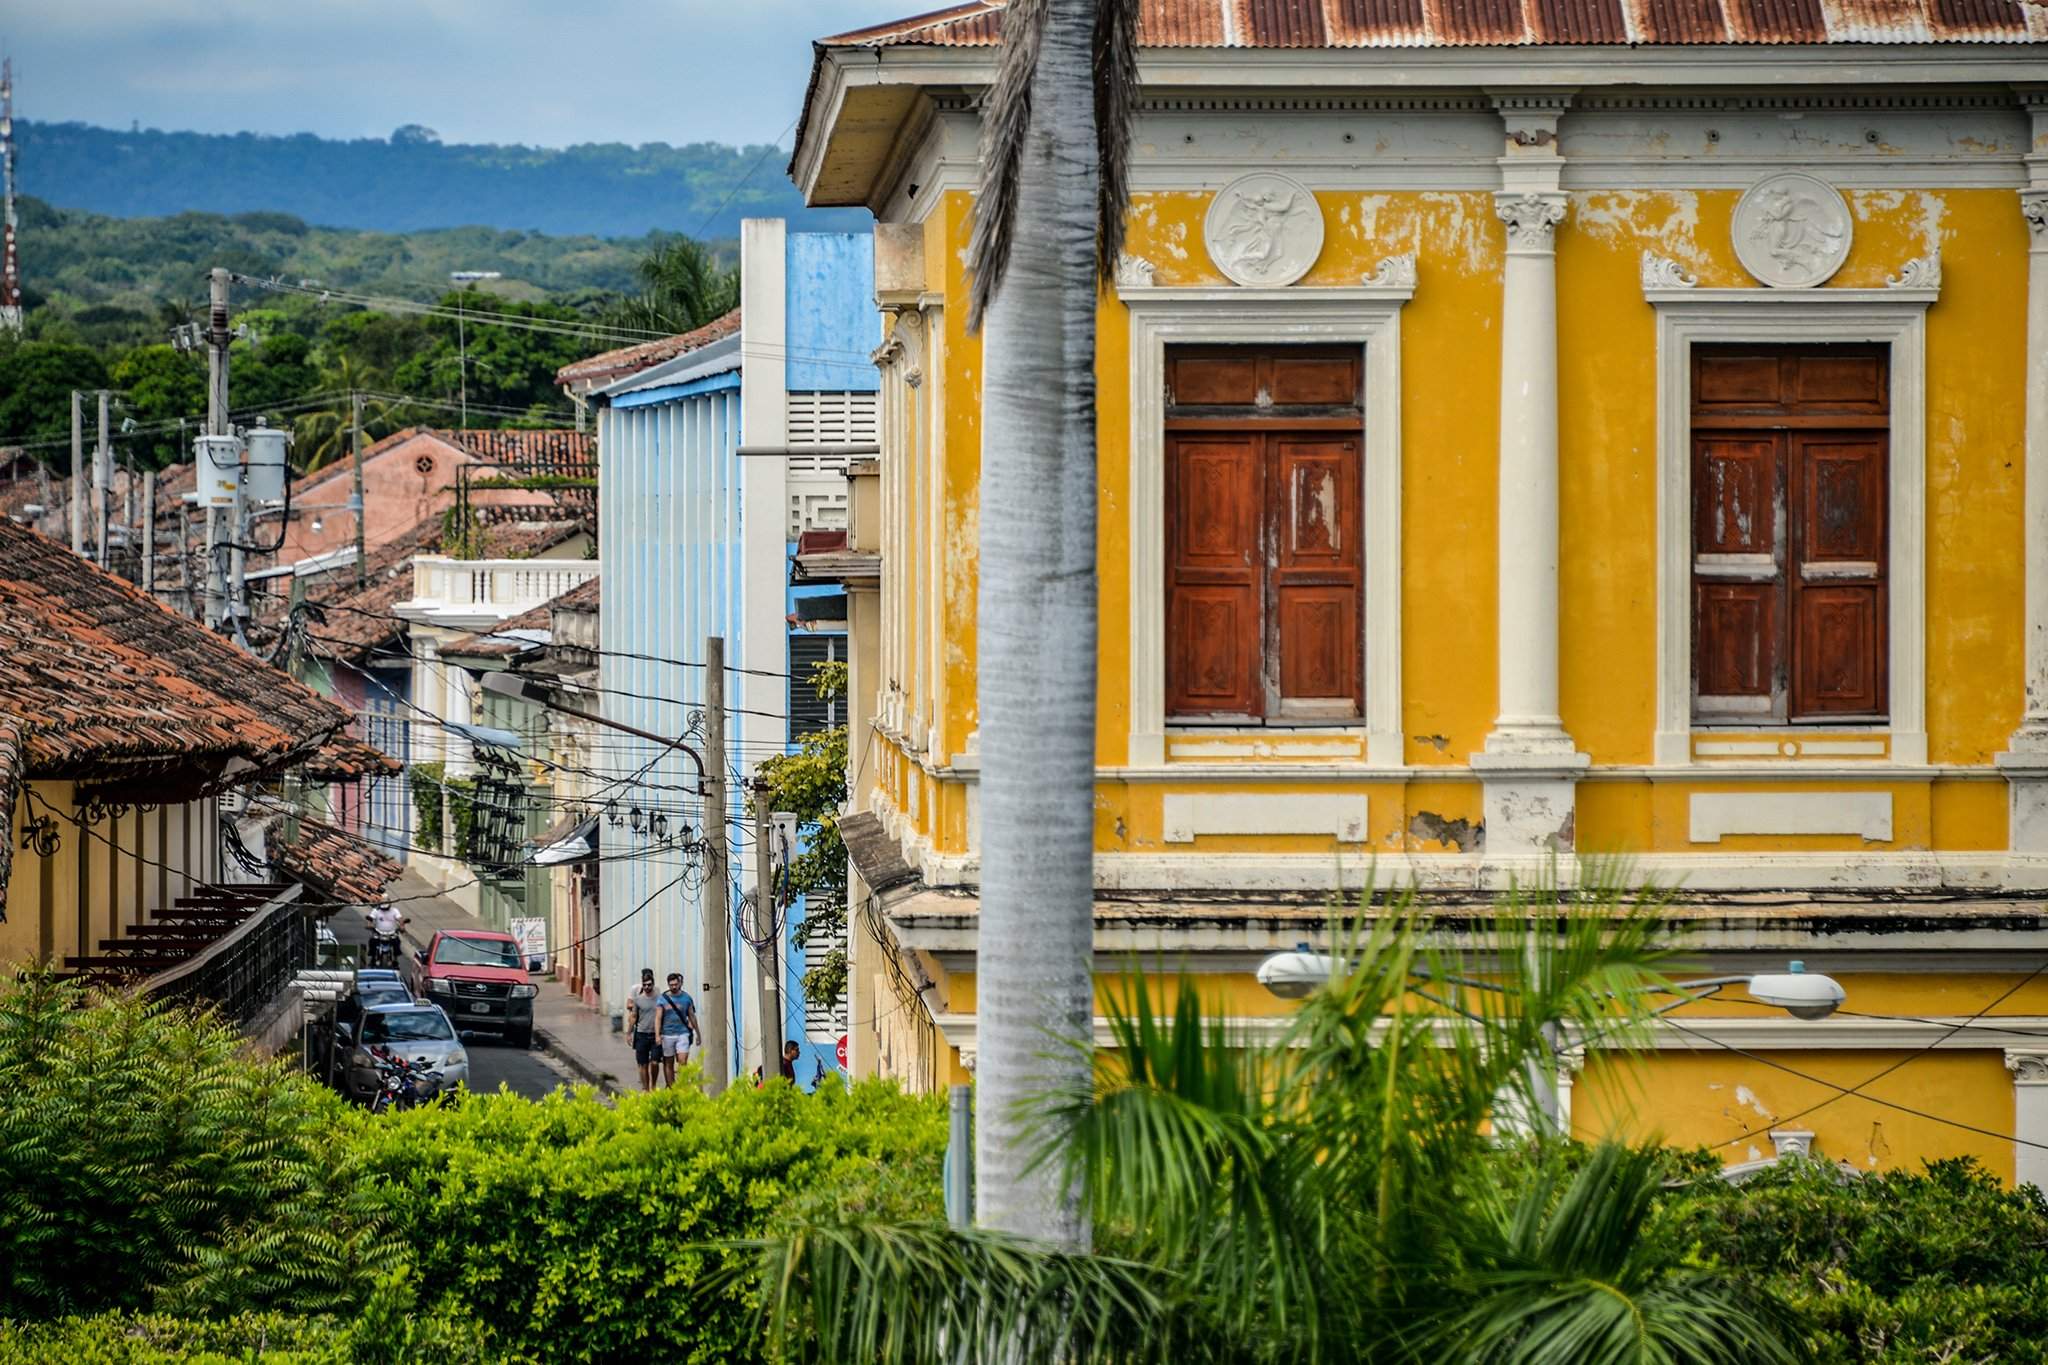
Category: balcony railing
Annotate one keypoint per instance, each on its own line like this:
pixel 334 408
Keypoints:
pixel 467 592
pixel 244 969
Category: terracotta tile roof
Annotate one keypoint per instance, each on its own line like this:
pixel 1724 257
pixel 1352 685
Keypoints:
pixel 339 865
pixel 345 758
pixel 633 359
pixel 1492 23
pixel 585 596
pixel 353 622
pixel 553 447
pixel 116 691
pixel 499 642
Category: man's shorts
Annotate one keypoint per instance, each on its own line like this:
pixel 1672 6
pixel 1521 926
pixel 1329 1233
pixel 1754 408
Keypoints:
pixel 645 1051
pixel 675 1047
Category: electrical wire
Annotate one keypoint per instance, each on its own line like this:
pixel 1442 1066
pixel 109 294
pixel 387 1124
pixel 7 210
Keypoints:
pixel 1843 1092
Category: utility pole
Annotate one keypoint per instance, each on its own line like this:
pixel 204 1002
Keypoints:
pixel 149 533
pixel 767 934
pixel 10 264
pixel 355 404
pixel 716 997
pixel 217 338
pixel 77 473
pixel 102 481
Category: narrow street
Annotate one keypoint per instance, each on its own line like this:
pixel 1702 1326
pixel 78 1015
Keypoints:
pixel 531 1072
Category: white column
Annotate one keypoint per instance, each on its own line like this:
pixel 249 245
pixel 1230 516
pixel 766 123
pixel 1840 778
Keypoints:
pixel 1529 763
pixel 2029 1116
pixel 1528 721
pixel 2025 763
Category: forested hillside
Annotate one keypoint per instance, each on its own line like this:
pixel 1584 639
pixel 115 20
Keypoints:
pixel 116 278
pixel 412 181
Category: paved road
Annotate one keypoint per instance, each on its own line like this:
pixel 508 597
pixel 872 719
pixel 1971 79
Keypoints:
pixel 530 1073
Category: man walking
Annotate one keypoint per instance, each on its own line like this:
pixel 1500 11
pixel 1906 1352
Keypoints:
pixel 640 1007
pixel 676 1014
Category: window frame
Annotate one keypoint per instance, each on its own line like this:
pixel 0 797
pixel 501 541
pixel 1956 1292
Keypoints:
pixel 1365 315
pixel 1895 317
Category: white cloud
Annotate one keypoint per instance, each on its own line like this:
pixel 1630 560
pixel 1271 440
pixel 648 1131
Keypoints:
pixel 533 71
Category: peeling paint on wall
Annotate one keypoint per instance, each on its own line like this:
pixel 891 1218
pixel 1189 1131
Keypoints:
pixel 1431 828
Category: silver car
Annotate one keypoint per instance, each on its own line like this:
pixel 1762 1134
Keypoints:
pixel 419 1033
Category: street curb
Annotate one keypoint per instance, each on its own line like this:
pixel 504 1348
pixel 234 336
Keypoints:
pixel 605 1081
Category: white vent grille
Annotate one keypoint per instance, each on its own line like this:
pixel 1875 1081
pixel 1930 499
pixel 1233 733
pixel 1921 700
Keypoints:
pixel 828 419
pixel 822 1026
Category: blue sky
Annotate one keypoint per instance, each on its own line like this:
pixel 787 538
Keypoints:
pixel 543 72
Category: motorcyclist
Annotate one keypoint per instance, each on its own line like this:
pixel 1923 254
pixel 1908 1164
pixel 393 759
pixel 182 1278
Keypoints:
pixel 385 921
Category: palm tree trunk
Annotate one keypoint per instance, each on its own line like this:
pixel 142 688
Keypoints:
pixel 1037 646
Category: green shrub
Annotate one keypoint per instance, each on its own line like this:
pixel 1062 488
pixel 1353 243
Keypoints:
pixel 1945 1264
pixel 143 1150
pixel 581 1231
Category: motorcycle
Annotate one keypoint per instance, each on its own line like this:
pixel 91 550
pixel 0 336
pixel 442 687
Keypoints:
pixel 401 1084
pixel 383 950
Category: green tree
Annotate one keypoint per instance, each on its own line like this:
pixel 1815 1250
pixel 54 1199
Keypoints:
pixel 36 380
pixel 811 784
pixel 1339 1193
pixel 160 384
pixel 145 1154
pixel 682 287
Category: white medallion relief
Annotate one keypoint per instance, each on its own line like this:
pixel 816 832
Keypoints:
pixel 1264 229
pixel 1792 230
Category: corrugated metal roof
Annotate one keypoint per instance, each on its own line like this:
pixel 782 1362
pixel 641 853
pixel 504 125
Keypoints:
pixel 1497 23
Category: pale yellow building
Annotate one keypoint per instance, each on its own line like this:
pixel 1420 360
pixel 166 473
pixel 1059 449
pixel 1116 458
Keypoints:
pixel 1525 434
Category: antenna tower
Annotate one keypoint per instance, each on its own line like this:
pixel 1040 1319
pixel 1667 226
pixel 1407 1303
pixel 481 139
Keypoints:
pixel 10 264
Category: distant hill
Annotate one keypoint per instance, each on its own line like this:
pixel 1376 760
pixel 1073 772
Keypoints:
pixel 103 272
pixel 412 181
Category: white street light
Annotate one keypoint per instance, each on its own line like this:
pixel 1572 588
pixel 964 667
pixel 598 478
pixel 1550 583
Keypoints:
pixel 1800 993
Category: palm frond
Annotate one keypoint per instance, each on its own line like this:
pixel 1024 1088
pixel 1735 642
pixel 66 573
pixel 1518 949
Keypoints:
pixel 1116 107
pixel 1006 119
pixel 924 1291
pixel 1570 1270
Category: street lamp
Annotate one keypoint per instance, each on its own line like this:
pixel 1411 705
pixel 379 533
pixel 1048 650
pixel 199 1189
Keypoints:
pixel 1800 993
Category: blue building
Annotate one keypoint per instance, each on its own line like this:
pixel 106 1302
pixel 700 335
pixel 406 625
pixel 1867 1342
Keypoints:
pixel 714 460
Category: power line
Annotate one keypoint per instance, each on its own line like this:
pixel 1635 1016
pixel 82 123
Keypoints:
pixel 1843 1092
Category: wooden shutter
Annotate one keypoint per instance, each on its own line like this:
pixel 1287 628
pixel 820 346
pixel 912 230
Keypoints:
pixel 1265 575
pixel 1214 619
pixel 1790 488
pixel 1839 604
pixel 1738 576
pixel 1315 579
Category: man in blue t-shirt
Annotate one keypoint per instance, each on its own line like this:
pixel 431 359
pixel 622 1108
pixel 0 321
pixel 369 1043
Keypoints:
pixel 676 1021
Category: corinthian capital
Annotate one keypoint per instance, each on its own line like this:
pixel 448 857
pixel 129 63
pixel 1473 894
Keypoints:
pixel 2034 208
pixel 1532 217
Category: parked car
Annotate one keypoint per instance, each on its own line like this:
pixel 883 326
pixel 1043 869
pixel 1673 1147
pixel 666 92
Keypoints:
pixel 374 989
pixel 479 977
pixel 421 1034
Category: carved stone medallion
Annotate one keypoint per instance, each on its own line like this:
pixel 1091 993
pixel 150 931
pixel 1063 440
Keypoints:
pixel 1792 230
pixel 1264 229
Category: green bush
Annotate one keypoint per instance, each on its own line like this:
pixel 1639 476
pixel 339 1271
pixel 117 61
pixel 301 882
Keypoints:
pixel 1945 1264
pixel 582 1231
pixel 145 1153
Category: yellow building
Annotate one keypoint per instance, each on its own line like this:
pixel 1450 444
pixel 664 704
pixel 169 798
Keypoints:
pixel 1525 435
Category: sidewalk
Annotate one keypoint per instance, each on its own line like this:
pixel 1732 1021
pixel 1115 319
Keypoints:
pixel 579 1037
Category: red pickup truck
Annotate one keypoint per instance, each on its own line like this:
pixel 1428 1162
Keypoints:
pixel 479 977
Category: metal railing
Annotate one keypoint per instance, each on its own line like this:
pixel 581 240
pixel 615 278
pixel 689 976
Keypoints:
pixel 243 970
